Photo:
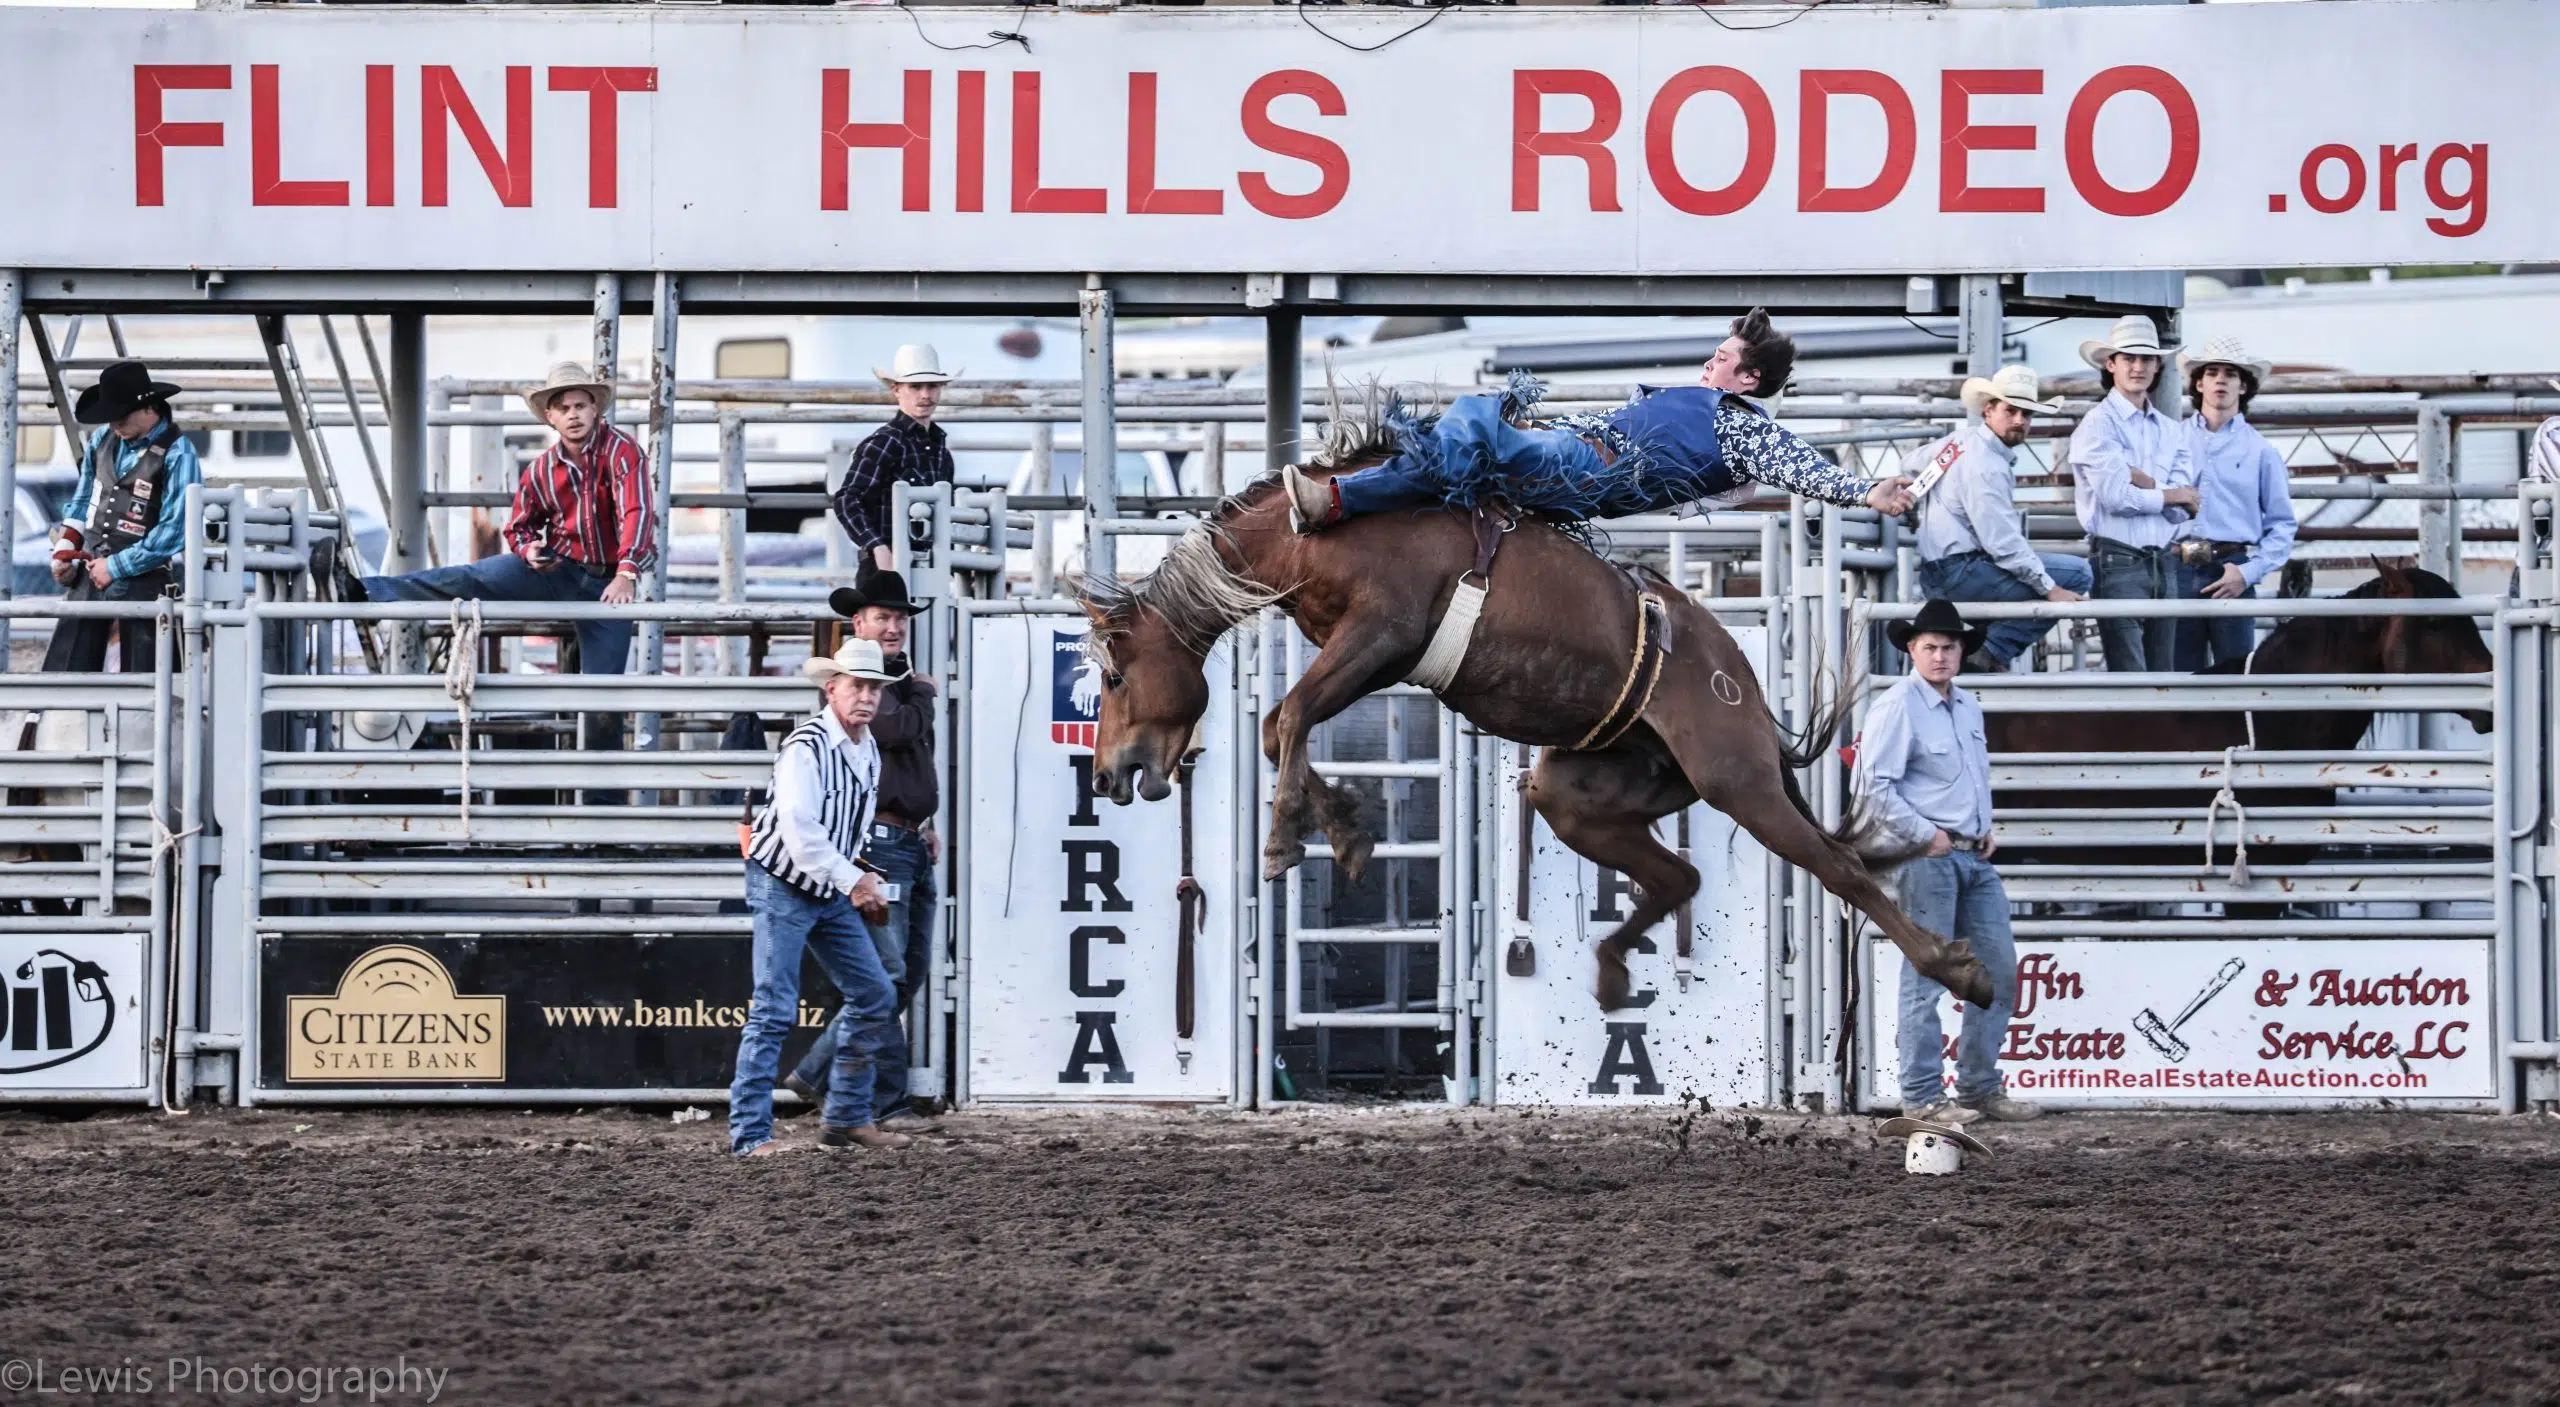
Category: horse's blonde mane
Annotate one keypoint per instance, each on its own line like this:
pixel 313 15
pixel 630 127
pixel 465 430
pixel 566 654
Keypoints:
pixel 1199 597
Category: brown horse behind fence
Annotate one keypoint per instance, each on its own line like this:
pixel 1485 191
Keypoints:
pixel 1550 659
pixel 2355 645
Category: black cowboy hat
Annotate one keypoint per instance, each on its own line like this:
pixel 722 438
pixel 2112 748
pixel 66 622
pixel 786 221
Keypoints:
pixel 1937 617
pixel 123 388
pixel 874 587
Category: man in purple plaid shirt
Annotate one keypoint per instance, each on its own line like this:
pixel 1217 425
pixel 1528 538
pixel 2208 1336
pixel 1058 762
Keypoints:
pixel 910 449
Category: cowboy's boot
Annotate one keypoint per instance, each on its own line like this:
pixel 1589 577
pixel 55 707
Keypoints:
pixel 1314 504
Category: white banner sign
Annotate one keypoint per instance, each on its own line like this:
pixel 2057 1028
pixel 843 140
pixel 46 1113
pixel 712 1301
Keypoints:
pixel 71 1011
pixel 1697 1028
pixel 1074 932
pixel 2228 1022
pixel 1651 141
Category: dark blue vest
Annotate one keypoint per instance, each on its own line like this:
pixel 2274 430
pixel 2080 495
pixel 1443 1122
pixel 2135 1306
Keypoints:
pixel 1674 429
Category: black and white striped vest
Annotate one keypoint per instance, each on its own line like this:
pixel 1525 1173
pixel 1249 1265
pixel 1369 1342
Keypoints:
pixel 848 787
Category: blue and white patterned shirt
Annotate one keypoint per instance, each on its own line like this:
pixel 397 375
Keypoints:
pixel 2112 442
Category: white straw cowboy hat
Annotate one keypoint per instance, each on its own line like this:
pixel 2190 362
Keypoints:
pixel 2015 384
pixel 2223 349
pixel 859 659
pixel 2134 335
pixel 915 362
pixel 567 376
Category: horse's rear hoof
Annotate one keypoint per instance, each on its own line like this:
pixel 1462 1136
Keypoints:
pixel 1615 986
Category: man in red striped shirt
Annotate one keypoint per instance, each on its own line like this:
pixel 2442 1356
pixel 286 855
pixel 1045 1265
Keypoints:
pixel 581 530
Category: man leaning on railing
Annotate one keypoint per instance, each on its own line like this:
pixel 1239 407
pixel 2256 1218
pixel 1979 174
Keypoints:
pixel 2244 522
pixel 1972 546
pixel 127 520
pixel 910 449
pixel 581 528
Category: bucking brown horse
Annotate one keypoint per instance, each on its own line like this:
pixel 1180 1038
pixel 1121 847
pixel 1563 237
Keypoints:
pixel 1552 657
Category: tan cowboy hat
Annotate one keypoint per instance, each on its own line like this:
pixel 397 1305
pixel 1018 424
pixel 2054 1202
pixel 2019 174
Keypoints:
pixel 916 361
pixel 2015 384
pixel 2134 335
pixel 2223 349
pixel 567 376
pixel 860 659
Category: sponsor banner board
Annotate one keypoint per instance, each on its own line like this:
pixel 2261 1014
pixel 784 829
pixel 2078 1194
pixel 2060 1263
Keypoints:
pixel 71 1011
pixel 2237 1021
pixel 1074 928
pixel 1707 1038
pixel 1648 141
pixel 576 1011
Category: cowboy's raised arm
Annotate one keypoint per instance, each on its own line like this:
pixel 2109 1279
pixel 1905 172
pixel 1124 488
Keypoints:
pixel 1765 452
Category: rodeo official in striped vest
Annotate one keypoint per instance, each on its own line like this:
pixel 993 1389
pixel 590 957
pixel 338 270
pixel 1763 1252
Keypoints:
pixel 805 881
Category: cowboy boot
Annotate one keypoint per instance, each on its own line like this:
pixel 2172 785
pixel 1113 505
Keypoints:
pixel 866 1136
pixel 1314 504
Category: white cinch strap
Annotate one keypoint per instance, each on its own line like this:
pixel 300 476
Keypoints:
pixel 461 678
pixel 1439 667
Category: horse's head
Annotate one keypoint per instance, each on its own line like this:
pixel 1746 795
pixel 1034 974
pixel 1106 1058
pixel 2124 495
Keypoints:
pixel 2428 644
pixel 1154 691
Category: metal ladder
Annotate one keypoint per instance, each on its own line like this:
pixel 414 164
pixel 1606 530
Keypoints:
pixel 1283 977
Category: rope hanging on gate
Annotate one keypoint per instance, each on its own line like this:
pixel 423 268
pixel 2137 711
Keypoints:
pixel 163 842
pixel 1191 902
pixel 461 679
pixel 2227 797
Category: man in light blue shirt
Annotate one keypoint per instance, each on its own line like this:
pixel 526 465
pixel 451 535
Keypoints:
pixel 1972 547
pixel 2133 485
pixel 2244 526
pixel 1923 788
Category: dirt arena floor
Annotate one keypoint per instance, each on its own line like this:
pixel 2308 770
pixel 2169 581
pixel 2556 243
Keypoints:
pixel 1335 1257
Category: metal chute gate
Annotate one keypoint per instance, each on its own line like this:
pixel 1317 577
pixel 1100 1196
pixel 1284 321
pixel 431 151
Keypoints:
pixel 292 886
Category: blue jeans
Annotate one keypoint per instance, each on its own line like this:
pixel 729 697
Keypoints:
pixel 787 922
pixel 2204 642
pixel 1972 576
pixel 1957 894
pixel 905 944
pixel 2126 573
pixel 604 646
pixel 1476 443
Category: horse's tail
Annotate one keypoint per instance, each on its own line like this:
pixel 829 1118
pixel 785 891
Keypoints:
pixel 1801 747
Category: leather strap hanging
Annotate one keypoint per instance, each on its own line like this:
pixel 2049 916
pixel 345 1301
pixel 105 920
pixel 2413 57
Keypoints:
pixel 1192 902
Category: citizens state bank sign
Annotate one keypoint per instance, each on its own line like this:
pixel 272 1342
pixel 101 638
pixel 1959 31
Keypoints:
pixel 1647 141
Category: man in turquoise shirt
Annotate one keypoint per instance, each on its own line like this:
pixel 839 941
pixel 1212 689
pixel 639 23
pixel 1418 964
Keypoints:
pixel 127 520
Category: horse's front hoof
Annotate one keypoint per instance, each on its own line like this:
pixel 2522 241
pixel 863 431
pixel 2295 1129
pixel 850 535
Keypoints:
pixel 1354 859
pixel 1615 986
pixel 1278 860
